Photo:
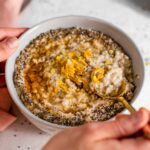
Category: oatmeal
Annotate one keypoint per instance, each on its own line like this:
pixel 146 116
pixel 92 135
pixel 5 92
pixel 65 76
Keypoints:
pixel 62 74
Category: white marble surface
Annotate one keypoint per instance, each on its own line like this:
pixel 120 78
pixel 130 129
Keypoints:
pixel 132 16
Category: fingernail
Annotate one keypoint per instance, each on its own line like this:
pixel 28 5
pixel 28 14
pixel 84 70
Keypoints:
pixel 143 109
pixel 12 42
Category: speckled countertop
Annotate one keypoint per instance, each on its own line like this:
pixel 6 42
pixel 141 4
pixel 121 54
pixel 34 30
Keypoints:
pixel 132 16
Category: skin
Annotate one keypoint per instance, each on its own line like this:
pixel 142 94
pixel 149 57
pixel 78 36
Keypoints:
pixel 9 12
pixel 114 135
pixel 9 41
pixel 8 44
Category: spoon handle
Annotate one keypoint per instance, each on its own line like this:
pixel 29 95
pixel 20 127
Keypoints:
pixel 130 108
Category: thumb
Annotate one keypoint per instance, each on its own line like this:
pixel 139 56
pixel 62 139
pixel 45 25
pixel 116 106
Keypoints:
pixel 123 126
pixel 7 47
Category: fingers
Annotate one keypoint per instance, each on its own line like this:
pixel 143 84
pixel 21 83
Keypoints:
pixel 135 143
pixel 121 127
pixel 146 128
pixel 144 109
pixel 110 144
pixel 10 42
pixel 120 115
pixel 146 131
pixel 5 99
pixel 11 32
pixel 126 125
pixel 125 144
pixel 7 47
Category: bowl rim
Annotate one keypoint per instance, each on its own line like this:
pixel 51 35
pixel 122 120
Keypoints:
pixel 11 90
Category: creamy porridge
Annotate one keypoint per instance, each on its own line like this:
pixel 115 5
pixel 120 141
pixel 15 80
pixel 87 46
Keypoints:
pixel 62 74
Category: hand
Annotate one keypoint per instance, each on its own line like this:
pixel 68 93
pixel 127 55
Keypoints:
pixel 113 135
pixel 8 44
pixel 9 41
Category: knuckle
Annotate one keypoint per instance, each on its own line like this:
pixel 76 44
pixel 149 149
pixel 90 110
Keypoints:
pixel 121 128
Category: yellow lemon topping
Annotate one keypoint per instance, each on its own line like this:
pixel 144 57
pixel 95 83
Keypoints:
pixel 97 74
pixel 88 53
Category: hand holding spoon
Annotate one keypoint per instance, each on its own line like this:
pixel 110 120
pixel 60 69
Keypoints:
pixel 119 97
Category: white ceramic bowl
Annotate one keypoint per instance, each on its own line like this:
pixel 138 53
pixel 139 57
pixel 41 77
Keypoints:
pixel 65 22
